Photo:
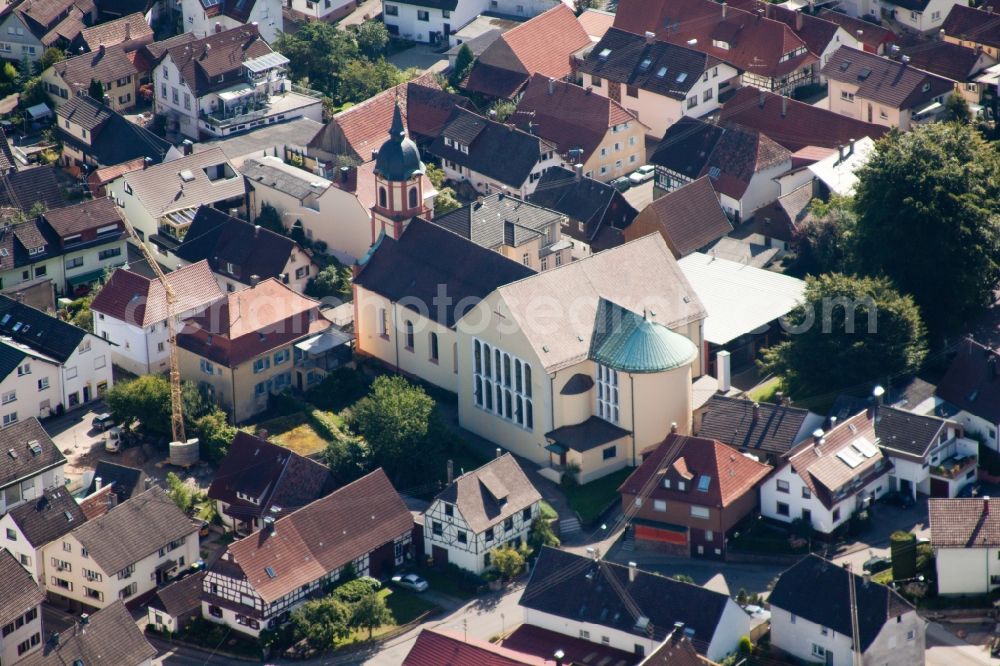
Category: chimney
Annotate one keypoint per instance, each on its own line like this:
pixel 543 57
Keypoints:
pixel 866 579
pixel 861 34
pixel 779 397
pixel 986 505
pixel 632 568
pixel 650 37
pixel 756 412
pixel 451 471
pixel 878 392
pixel 98 483
pixel 559 656
pixel 798 20
pixel 188 146
pixel 128 31
pixel 112 500
pixel 722 373
pixel 673 427
pixel 254 279
pixel 762 99
pixel 578 170
pixel 269 525
pixel 723 11
pixel 784 106
pixel 905 60
pixel 84 622
pixel 374 154
pixel 344 173
pixel 499 452
pixel 840 151
pixel 218 28
pixel 850 146
pixel 593 553
pixel 817 436
pixel 940 35
pixel 256 230
pixel 146 163
pixel 552 86
pixel 19 297
pixel 833 422
pixel 100 49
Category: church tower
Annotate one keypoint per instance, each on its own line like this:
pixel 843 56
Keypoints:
pixel 399 194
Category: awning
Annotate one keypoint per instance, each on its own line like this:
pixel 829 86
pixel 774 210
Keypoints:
pixel 933 107
pixel 265 62
pixel 85 278
pixel 166 565
pixel 556 448
pixel 236 92
pixel 324 342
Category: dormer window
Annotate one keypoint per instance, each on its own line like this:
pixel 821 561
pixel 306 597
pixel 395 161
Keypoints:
pixel 682 485
pixel 36 250
pixel 719 44
pixel 927 87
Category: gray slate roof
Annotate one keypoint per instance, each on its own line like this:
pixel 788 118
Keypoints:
pixel 133 530
pixel 489 495
pixel 17 461
pixel 112 638
pixel 906 432
pixel 731 421
pixel 494 220
pixel 300 187
pixel 18 590
pixel 49 517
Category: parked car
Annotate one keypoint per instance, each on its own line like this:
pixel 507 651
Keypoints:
pixel 969 490
pixel 102 422
pixel 621 184
pixel 411 582
pixel 642 174
pixel 757 613
pixel 113 440
pixel 876 564
pixel 904 500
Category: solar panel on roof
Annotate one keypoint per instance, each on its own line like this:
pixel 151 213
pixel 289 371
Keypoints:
pixel 864 447
pixel 850 457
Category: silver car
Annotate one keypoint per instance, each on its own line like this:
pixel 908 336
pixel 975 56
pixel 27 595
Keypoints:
pixel 411 582
pixel 642 174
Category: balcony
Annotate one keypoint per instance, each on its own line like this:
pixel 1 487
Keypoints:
pixel 248 104
pixel 954 467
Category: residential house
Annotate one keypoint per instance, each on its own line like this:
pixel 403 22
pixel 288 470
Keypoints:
pixel 322 10
pixel 89 237
pixel 626 608
pixel 543 45
pixel 356 133
pixel 108 65
pixel 432 644
pixel 32 465
pixel 595 212
pixel 108 485
pixel 240 350
pixel 566 384
pixel 286 139
pixel 764 430
pixel 399 318
pixel 36 523
pixel 132 32
pixel 874 38
pixel 518 230
pixel 883 91
pixel 436 22
pixel 175 606
pixel 829 478
pixel 745 305
pixel 148 56
pixel 973 28
pixel 490 507
pixel 596 22
pixel 205 17
pixel 23 189
pixel 28 28
pixel 257 479
pixel 919 15
pixel 261 579
pixel 131 312
pixel 959 64
pixel 688 495
pixel 123 555
pixel 837 173
pixel 767 52
pixel 544 644
pixel 971 394
pixel 161 201
pixel 777 224
pixel 741 163
pixel 52 364
pixel 110 632
pixel 20 611
pixel 586 129
pixel 227 82
pixel 492 156
pixel 889 631
pixel 793 124
pixel 966 547
pixel 658 81
pixel 97 136
pixel 241 254
pixel 689 218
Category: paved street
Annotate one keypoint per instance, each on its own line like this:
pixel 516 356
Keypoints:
pixel 421 56
pixel 946 649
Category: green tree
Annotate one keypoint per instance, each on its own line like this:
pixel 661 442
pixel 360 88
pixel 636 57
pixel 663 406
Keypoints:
pixel 446 201
pixel 347 457
pixel 435 174
pixel 464 60
pixel 825 241
pixel 96 90
pixel 332 281
pixel 509 562
pixel 957 109
pixel 80 314
pixel 317 52
pixel 541 534
pixel 33 93
pixel 182 494
pixel 372 38
pixel 684 578
pixel 215 434
pixel 146 400
pixel 927 201
pixel 370 612
pixel 322 622
pixel 502 110
pixel 50 56
pixel 363 79
pixel 849 331
pixel 270 219
pixel 395 419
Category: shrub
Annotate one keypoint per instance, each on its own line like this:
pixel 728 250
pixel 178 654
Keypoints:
pixel 354 590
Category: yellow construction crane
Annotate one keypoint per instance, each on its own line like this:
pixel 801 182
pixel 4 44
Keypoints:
pixel 176 399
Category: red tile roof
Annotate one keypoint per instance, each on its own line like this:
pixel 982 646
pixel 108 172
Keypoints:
pixel 872 36
pixel 321 537
pixel 793 124
pixel 140 301
pixel 689 218
pixel 529 639
pixel 964 523
pixel 568 116
pixel 596 22
pixel 435 647
pixel 731 474
pixel 756 44
pixel 973 25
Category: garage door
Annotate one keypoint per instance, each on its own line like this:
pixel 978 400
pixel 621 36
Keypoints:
pixel 939 488
pixel 677 537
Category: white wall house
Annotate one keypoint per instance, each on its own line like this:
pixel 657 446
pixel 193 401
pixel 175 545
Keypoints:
pixel 921 16
pixel 265 14
pixel 428 21
pixel 20 612
pixel 491 507
pixel 26 529
pixel 966 548
pixel 325 10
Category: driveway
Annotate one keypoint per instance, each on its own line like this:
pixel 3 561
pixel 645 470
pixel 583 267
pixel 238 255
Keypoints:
pixel 421 56
pixel 946 649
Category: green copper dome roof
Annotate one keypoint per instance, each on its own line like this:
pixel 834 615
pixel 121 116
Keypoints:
pixel 628 342
pixel 398 158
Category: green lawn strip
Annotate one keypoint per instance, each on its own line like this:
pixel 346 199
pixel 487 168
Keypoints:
pixel 547 512
pixel 405 607
pixel 450 582
pixel 765 392
pixel 591 499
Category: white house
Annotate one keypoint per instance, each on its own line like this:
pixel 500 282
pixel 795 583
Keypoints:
pixel 490 507
pixel 20 611
pixel 32 463
pixel 921 15
pixel 110 632
pixel 827 479
pixel 124 554
pixel 227 82
pixel 323 10
pixel 130 311
pixel 658 81
pixel 970 389
pixel 967 550
pixel 31 526
pixel 811 619
pixel 203 17
pixel 599 601
pixel 434 21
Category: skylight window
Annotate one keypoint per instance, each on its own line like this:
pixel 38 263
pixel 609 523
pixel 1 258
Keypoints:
pixel 603 55
pixel 17 327
pixel 186 175
pixel 6 318
pixel 865 73
pixel 704 482
pixel 844 65
pixel 270 572
pixel 661 72
pixel 682 77
pixel 645 65
pixel 714 172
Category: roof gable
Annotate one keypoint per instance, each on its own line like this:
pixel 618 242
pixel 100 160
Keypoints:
pixel 48 517
pixel 743 424
pixel 38 331
pixel 971 381
pixel 486 496
pixel 689 218
pixel 140 301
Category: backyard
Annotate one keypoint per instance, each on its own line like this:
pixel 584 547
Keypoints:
pixel 591 500
pixel 406 607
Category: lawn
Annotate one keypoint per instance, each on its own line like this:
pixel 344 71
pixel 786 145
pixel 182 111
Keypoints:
pixel 452 581
pixel 294 432
pixel 764 392
pixel 405 607
pixel 591 499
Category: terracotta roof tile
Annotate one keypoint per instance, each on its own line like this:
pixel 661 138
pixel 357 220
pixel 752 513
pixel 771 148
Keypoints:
pixel 596 22
pixel 885 81
pixel 964 523
pixel 112 637
pixel 110 65
pixel 19 592
pixel 142 302
pixel 953 62
pixel 434 647
pixel 872 36
pixel 974 25
pixel 215 61
pixel 132 30
pixel 689 218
